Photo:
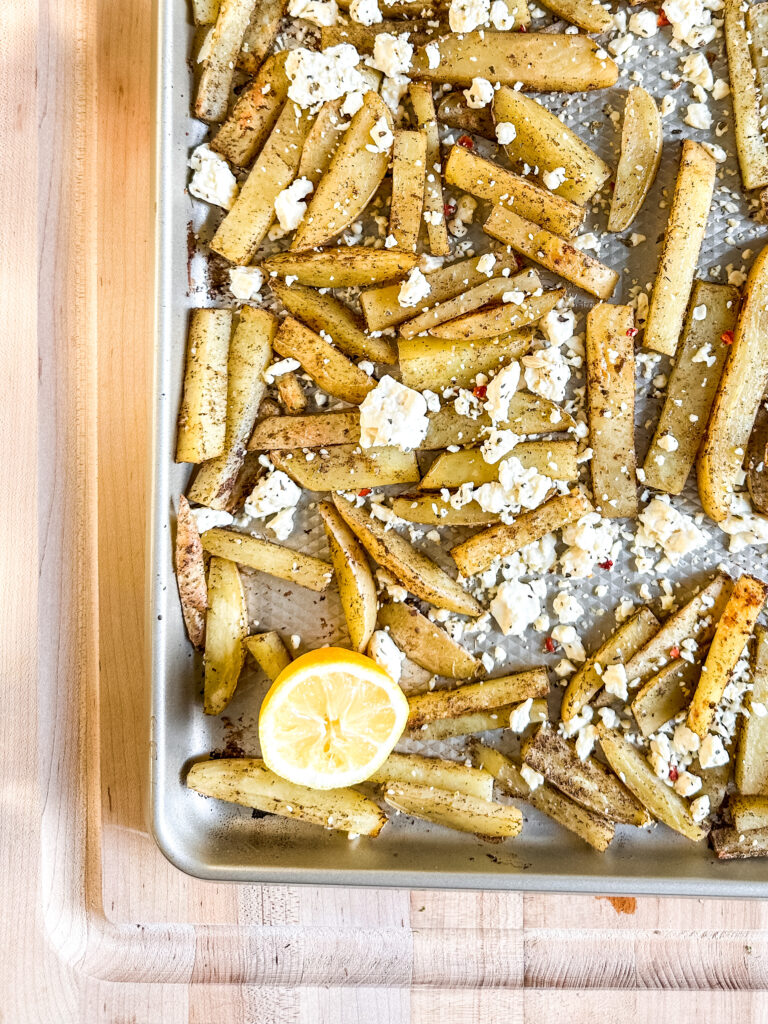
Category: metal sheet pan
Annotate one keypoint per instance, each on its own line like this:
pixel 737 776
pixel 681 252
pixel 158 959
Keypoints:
pixel 222 842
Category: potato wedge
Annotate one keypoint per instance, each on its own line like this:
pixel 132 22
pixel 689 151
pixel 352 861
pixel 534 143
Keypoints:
pixel 202 417
pixel 455 810
pixel 478 552
pixel 190 573
pixel 751 769
pixel 751 145
pixel 757 461
pixel 260 34
pixel 692 386
pixel 204 12
pixel 347 467
pixel 455 112
pixel 291 393
pixel 245 227
pixel 357 588
pixel 551 252
pixel 587 15
pixel 590 827
pixel 641 139
pixel 543 62
pixel 250 353
pixel 273 559
pixel 409 173
pixel 226 627
pixel 528 414
pixel 757 28
pixel 464 725
pixel 731 634
pixel 328 314
pixel 434 213
pixel 219 67
pixel 254 114
pixel 438 363
pixel 663 802
pixel 611 409
pixel 742 385
pixel 363 37
pixel 499 320
pixel 426 644
pixel 749 812
pixel 680 252
pixel 435 771
pixel 631 635
pixel 665 695
pixel 316 430
pixel 730 844
pixel 486 180
pixel 248 781
pixel 345 267
pixel 543 141
pixel 415 571
pixel 489 694
pixel 556 459
pixel 351 181
pixel 433 510
pixel 269 652
pixel 329 369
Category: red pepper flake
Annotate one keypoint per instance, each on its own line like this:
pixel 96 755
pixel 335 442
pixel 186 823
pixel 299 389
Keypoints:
pixel 448 210
pixel 673 774
pixel 523 28
pixel 674 652
pixel 662 21
pixel 727 337
pixel 466 142
pixel 365 492
pixel 607 564
pixel 549 644
pixel 631 332
pixel 480 391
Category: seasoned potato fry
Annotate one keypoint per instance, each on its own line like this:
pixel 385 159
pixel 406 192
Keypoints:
pixel 437 772
pixel 269 652
pixel 330 370
pixel 204 12
pixel 248 781
pixel 680 252
pixel 473 697
pixel 203 413
pixel 328 314
pixel 663 802
pixel 551 252
pixel 543 62
pixel 731 634
pixel 757 27
pixel 250 352
pixel 291 393
pixel 363 37
pixel 692 386
pixel 409 172
pixel 641 139
pixel 353 575
pixel 499 320
pixel 757 461
pixel 477 553
pixel 452 469
pixel 749 812
pixel 455 112
pixel 543 141
pixel 665 695
pixel 254 114
pixel 426 644
pixel 751 145
pixel 742 385
pixel 455 810
pixel 424 108
pixel 190 573
pixel 415 571
pixel 464 725
pixel 345 267
pixel 274 559
pixel 347 466
pixel 226 627
pixel 587 15
pixel 752 751
pixel 730 844
pixel 438 363
pixel 260 34
pixel 433 510
pixel 619 647
pixel 611 408
pixel 351 181
pixel 219 67
pixel 590 827
pixel 528 414
pixel 472 173
pixel 317 430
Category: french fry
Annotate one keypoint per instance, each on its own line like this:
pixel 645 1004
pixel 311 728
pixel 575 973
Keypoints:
pixel 641 139
pixel 749 812
pixel 363 37
pixel 204 12
pixel 751 769
pixel 346 466
pixel 316 430
pixel 551 252
pixel 464 725
pixel 218 72
pixel 273 559
pixel 415 571
pixel 330 370
pixel 590 827
pixel 757 461
pixel 664 695
pixel 426 644
pixel 556 459
pixel 478 552
pixel 731 634
pixel 409 172
pixel 254 114
pixel 226 627
pixel 454 112
pixel 455 810
pixel 730 844
pixel 433 510
pixel 202 417
pixel 260 34
pixel 473 697
pixel 750 138
pixel 499 320
pixel 611 407
pixel 269 652
pixel 438 363
pixel 434 213
pixel 543 141
pixel 742 385
pixel 587 15
pixel 190 573
pixel 472 173
pixel 528 414
pixel 680 252
pixel 757 27
pixel 250 352
pixel 663 802
pixel 248 781
pixel 692 386
pixel 631 635
pixel 353 575
pixel 434 772
pixel 345 267
pixel 291 393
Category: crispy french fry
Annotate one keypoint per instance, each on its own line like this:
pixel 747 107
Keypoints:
pixel 757 27
pixel 226 627
pixel 203 413
pixel 291 393
pixel 254 114
pixel 248 781
pixel 556 459
pixel 752 751
pixel 434 214
pixel 363 37
pixel 499 320
pixel 749 812
pixel 641 139
pixel 551 252
pixel 190 573
pixel 665 695
pixel 426 644
pixel 587 15
pixel 317 430
pixel 345 267
pixel 528 414
pixel 353 575
pixel 346 466
pixel 757 461
pixel 409 172
pixel 218 72
pixel 750 137
pixel 455 112
pixel 438 363
pixel 465 725
pixel 730 844
pixel 260 34
pixel 274 559
pixel 611 407
pixel 455 810
pixel 329 368
pixel 269 652
pixel 473 697
pixel 680 252
pixel 437 772
pixel 433 510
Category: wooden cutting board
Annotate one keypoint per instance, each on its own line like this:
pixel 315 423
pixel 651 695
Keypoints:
pixel 97 926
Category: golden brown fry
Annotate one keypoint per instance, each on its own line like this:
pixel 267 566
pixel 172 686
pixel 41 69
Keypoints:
pixel 345 267
pixel 269 652
pixel 426 644
pixel 434 213
pixel 556 459
pixel 438 363
pixel 455 810
pixel 330 370
pixel 226 627
pixel 203 413
pixel 747 101
pixel 589 16
pixel 749 812
pixel 224 47
pixel 434 772
pixel 260 34
pixel 433 510
pixel 730 844
pixel 409 172
pixel 291 393
pixel 316 430
pixel 499 320
pixel 347 466
pixel 752 751
pixel 353 575
pixel 472 697
pixel 665 695
pixel 528 414
pixel 641 139
pixel 190 573
pixel 466 725
pixel 265 556
pixel 455 112
pixel 254 114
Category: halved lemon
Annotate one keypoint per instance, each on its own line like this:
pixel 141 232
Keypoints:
pixel 330 719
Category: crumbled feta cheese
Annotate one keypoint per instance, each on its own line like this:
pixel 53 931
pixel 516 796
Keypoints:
pixel 505 133
pixel 289 207
pixel 467 15
pixel 567 608
pixel 432 51
pixel 590 541
pixel 391 54
pixel 685 740
pixel 743 525
pixel 479 94
pixel 687 784
pixel 668 443
pixel 385 652
pixel 609 718
pixel 700 808
pixel 322 13
pixel 532 778
pixel 615 681
pixel 317 76
pixel 554 179
pixel 515 607
pixel 212 181
pixel 585 741
pixel 272 493
pixel 393 414
pixel 280 367
pixel 365 12
pixel 208 518
pixel 501 19
pixel 720 89
pixel 414 289
pixel 717 153
pixel 660 755
pixel 486 263
pixel 589 240
pixel 558 326
pixel 691 20
pixel 520 716
pixel 697 71
pixel 645 23
pixel 500 390
pixel 547 373
pixel 282 524
pixel 498 444
pixel 663 525
pixel 697 115
pixel 381 136
pixel 245 282
pixel 712 753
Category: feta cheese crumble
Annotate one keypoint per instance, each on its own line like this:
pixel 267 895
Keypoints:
pixel 212 181
pixel 318 76
pixel 245 282
pixel 479 94
pixel 662 525
pixel 505 133
pixel 385 652
pixel 547 373
pixel 515 607
pixel 365 12
pixel 322 13
pixel 414 289
pixel 467 15
pixel 393 414
pixel 289 206
pixel 500 390
pixel 391 54
pixel 272 493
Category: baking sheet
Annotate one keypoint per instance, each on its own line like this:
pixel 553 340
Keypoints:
pixel 223 842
